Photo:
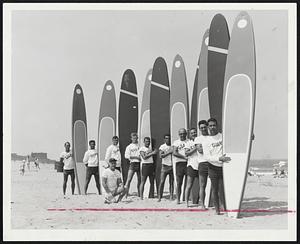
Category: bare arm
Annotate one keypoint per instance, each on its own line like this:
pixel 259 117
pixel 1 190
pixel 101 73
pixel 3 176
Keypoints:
pixel 177 154
pixel 104 184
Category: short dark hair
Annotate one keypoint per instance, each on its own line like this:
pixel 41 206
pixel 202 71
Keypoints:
pixel 112 160
pixel 147 137
pixel 167 135
pixel 202 122
pixel 115 137
pixel 193 128
pixel 212 120
pixel 67 143
pixel 91 142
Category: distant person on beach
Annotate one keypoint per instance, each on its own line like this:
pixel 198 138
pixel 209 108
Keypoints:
pixel 132 154
pixel 147 164
pixel 180 161
pixel 113 151
pixel 91 162
pixel 112 183
pixel 36 163
pixel 213 152
pixel 193 163
pixel 66 158
pixel 22 167
pixel 203 164
pixel 165 153
pixel 28 163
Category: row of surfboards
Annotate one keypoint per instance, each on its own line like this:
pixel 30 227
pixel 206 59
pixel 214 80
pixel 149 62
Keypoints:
pixel 224 88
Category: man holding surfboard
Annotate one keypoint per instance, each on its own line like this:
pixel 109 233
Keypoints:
pixel 132 154
pixel 91 162
pixel 213 152
pixel 180 160
pixel 165 153
pixel 113 151
pixel 147 153
pixel 66 158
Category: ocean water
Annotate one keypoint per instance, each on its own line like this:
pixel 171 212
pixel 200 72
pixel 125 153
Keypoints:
pixel 266 165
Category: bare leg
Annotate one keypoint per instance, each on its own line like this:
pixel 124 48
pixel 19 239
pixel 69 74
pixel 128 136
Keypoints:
pixel 129 179
pixel 202 183
pixel 190 181
pixel 161 185
pixel 138 173
pixel 179 179
pixel 143 181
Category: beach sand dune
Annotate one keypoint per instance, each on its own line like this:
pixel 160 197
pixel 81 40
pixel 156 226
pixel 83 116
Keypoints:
pixel 35 193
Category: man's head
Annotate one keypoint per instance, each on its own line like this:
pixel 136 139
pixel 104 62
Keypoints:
pixel 203 127
pixel 167 139
pixel 147 141
pixel 67 146
pixel 92 144
pixel 212 126
pixel 134 137
pixel 115 140
pixel 193 133
pixel 112 163
pixel 182 134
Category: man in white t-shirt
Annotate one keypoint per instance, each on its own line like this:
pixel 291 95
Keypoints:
pixel 113 151
pixel 147 153
pixel 112 183
pixel 203 164
pixel 180 161
pixel 66 158
pixel 133 155
pixel 91 162
pixel 213 152
pixel 165 153
pixel 192 165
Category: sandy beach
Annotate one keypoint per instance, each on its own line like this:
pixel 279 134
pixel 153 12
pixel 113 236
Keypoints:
pixel 33 194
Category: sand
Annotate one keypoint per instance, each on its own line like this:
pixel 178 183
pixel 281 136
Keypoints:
pixel 33 194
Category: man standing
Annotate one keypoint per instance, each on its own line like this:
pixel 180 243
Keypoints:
pixel 203 164
pixel 192 165
pixel 112 183
pixel 132 154
pixel 180 161
pixel 113 151
pixel 146 154
pixel 92 166
pixel 66 158
pixel 165 152
pixel 213 152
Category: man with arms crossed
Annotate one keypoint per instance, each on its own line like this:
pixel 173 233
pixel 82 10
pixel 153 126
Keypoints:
pixel 66 158
pixel 132 154
pixel 113 151
pixel 165 153
pixel 180 161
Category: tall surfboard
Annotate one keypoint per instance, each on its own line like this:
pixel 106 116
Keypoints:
pixel 201 109
pixel 159 109
pixel 179 105
pixel 106 123
pixel 79 137
pixel 216 63
pixel 239 108
pixel 128 115
pixel 145 123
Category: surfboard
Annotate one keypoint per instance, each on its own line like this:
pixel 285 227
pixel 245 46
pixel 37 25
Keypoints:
pixel 201 108
pixel 216 63
pixel 239 108
pixel 79 137
pixel 106 124
pixel 179 105
pixel 128 115
pixel 144 130
pixel 159 109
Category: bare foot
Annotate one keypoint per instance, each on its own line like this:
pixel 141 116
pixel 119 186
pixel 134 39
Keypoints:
pixel 159 200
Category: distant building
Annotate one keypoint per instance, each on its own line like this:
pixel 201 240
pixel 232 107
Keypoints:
pixel 42 157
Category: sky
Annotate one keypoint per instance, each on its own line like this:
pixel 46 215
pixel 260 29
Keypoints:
pixel 52 51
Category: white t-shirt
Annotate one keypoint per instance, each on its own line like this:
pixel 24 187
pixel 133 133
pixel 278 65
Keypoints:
pixel 193 158
pixel 112 178
pixel 113 151
pixel 168 159
pixel 213 149
pixel 146 150
pixel 68 160
pixel 181 145
pixel 91 158
pixel 132 150
pixel 200 140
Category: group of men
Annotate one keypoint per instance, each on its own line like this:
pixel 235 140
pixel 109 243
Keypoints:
pixel 192 156
pixel 27 162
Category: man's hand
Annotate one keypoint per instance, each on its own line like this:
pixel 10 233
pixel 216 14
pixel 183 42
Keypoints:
pixel 224 159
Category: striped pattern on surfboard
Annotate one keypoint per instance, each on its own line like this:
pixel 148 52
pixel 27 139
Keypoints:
pixel 179 105
pixel 106 124
pixel 239 108
pixel 159 109
pixel 79 137
pixel 144 130
pixel 216 64
pixel 128 115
